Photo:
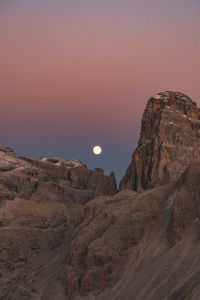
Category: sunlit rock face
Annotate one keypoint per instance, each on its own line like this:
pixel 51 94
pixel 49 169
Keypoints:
pixel 169 141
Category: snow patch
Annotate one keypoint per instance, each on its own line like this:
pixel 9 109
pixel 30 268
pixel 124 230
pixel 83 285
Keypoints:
pixel 172 197
pixel 172 123
pixel 62 162
pixel 157 96
pixel 74 163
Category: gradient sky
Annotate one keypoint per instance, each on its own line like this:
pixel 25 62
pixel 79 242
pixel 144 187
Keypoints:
pixel 75 73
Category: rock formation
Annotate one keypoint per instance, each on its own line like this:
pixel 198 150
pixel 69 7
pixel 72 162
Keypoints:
pixel 169 141
pixel 81 177
pixel 59 242
pixel 50 179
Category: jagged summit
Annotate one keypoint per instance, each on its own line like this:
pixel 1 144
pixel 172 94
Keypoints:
pixel 174 100
pixel 167 96
pixel 169 141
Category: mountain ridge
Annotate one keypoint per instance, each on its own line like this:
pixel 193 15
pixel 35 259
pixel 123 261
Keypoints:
pixel 60 238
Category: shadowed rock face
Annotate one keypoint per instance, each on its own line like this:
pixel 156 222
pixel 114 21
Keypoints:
pixel 59 242
pixel 93 180
pixel 169 141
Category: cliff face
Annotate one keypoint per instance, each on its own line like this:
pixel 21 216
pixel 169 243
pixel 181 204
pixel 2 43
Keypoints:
pixel 169 141
pixel 96 181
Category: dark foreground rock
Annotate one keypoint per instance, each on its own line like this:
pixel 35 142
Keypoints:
pixel 128 246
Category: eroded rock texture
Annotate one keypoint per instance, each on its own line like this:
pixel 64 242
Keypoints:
pixel 169 141
pixel 51 179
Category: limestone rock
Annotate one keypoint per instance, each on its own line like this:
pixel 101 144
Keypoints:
pixel 102 184
pixel 51 179
pixel 169 141
pixel 97 181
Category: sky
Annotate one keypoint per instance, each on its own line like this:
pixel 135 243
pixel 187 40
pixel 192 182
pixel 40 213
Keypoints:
pixel 78 73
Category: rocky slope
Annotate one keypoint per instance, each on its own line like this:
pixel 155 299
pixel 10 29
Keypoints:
pixel 57 242
pixel 40 206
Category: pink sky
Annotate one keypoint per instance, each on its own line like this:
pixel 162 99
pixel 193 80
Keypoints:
pixel 73 74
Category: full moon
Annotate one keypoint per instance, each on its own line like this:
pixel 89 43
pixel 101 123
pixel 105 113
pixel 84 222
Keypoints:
pixel 97 150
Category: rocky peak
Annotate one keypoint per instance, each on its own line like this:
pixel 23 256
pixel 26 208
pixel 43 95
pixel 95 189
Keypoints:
pixel 175 100
pixel 82 177
pixel 101 183
pixel 169 141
